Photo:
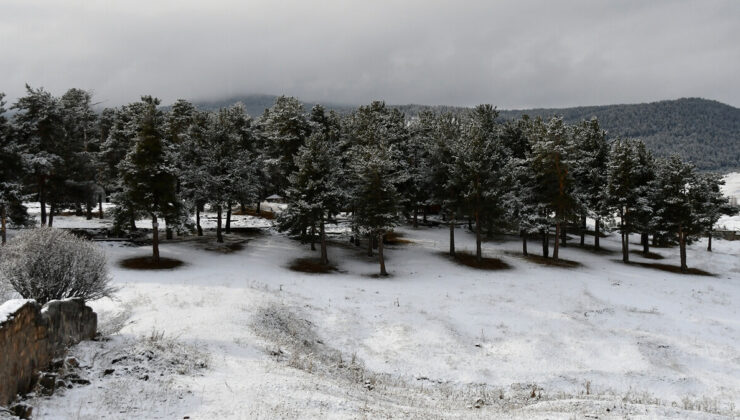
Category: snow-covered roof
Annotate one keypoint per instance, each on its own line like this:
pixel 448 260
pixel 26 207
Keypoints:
pixel 274 197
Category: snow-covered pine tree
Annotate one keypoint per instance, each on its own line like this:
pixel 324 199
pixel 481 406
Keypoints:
pixel 551 161
pixel 709 203
pixel 39 129
pixel 479 160
pixel 623 186
pixel 676 181
pixel 375 195
pixel 416 152
pixel 285 129
pixel 445 187
pixel 148 177
pixel 79 152
pixel 12 170
pixel 314 192
pixel 590 160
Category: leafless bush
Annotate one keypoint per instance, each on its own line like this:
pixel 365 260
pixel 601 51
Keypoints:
pixel 46 264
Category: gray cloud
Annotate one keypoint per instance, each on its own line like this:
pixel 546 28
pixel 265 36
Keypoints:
pixel 512 54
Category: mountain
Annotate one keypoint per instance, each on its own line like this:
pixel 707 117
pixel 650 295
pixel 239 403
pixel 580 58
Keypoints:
pixel 702 131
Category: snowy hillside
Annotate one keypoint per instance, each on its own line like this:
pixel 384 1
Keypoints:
pixel 239 335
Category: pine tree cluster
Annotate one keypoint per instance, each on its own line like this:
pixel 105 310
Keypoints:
pixel 374 165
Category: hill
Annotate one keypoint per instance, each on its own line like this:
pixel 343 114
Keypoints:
pixel 703 131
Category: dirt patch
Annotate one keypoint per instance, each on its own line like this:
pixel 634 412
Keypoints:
pixel 148 263
pixel 469 260
pixel 649 255
pixel 591 248
pixel 395 238
pixel 539 259
pixel 311 265
pixel 248 211
pixel 671 268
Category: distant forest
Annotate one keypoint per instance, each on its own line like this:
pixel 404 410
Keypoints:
pixel 702 131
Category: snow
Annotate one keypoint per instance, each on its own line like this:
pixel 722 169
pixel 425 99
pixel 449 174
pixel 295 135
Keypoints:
pixel 10 307
pixel 428 341
pixel 731 189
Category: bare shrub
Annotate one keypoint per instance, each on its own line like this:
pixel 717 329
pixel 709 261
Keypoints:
pixel 46 264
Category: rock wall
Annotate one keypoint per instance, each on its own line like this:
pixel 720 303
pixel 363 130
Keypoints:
pixel 32 336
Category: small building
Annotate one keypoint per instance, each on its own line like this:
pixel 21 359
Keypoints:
pixel 275 199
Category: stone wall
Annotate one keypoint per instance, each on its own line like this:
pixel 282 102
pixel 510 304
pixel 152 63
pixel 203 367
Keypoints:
pixel 32 336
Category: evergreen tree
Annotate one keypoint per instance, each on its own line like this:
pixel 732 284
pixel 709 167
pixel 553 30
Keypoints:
pixel 285 129
pixel 11 177
pixel 314 193
pixel 39 129
pixel 710 204
pixel 590 162
pixel 479 162
pixel 624 188
pixel 442 164
pixel 149 179
pixel 551 160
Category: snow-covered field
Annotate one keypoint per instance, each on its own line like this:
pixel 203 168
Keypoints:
pixel 239 335
pixel 731 189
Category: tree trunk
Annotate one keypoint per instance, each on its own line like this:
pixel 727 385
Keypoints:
pixel 155 239
pixel 88 210
pixel 132 222
pixel 546 242
pixel 52 209
pixel 625 237
pixel 167 230
pixel 370 245
pixel 583 230
pixel 3 226
pixel 219 236
pixel 682 244
pixel 228 219
pixel 424 213
pixel 478 250
pixel 324 257
pixel 557 247
pixel 259 207
pixel 563 235
pixel 100 206
pixel 709 243
pixel 313 237
pixel 78 208
pixel 42 203
pixel 242 208
pixel 452 234
pixel 524 242
pixel 197 221
pixel 597 225
pixel 645 239
pixel 380 255
pixel 416 216
pixel 470 223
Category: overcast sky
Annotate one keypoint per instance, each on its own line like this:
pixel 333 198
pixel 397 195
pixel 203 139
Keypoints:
pixel 514 54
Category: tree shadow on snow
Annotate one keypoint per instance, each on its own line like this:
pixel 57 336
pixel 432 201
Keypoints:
pixel 671 268
pixel 469 260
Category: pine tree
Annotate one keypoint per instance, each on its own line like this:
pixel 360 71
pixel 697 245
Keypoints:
pixel 314 193
pixel 552 162
pixel 11 177
pixel 522 204
pixel 442 164
pixel 416 153
pixel 39 129
pixel 285 129
pixel 590 162
pixel 710 204
pixel 149 181
pixel 479 162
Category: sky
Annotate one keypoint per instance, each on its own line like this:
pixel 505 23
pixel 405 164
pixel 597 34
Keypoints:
pixel 513 54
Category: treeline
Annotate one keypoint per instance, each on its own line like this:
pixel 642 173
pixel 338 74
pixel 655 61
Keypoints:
pixel 527 175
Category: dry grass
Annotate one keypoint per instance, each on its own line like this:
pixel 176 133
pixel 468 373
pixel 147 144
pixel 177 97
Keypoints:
pixel 249 211
pixel 395 238
pixel 311 265
pixel 469 260
pixel 649 255
pixel 147 263
pixel 671 268
pixel 539 259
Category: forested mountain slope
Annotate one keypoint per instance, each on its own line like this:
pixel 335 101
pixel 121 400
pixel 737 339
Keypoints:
pixel 703 131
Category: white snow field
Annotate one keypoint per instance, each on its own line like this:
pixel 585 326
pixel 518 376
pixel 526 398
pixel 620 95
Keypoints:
pixel 234 333
pixel 731 189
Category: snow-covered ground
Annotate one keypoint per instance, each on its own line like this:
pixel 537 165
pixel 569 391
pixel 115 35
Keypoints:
pixel 435 339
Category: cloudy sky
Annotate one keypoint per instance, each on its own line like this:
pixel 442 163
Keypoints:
pixel 513 54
